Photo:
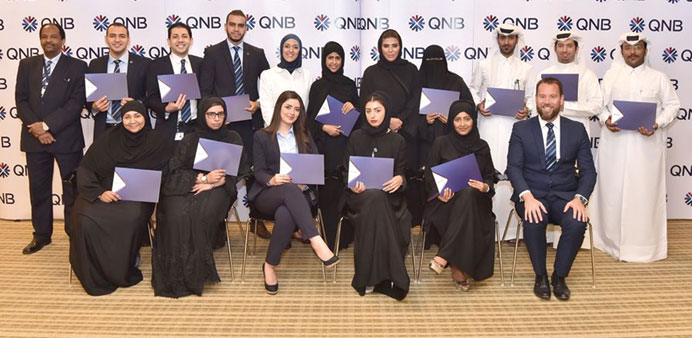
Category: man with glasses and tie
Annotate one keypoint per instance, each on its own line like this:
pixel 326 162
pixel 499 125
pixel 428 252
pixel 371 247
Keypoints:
pixel 174 119
pixel 543 151
pixel 50 96
pixel 108 113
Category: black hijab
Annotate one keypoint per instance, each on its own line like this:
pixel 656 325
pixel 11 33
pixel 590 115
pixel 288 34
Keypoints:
pixel 465 144
pixel 121 148
pixel 398 63
pixel 295 64
pixel 202 128
pixel 384 126
pixel 433 69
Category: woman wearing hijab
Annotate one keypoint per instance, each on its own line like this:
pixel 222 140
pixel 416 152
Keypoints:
pixel 464 220
pixel 330 139
pixel 379 215
pixel 192 205
pixel 274 194
pixel 287 75
pixel 398 79
pixel 106 233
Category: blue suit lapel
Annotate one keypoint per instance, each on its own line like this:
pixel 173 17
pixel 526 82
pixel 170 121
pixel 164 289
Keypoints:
pixel 57 77
pixel 537 134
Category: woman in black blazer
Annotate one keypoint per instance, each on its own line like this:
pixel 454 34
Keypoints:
pixel 274 194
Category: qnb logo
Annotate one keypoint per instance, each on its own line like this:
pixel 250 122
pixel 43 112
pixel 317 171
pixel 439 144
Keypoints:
pixel 67 50
pixel 29 23
pixel 374 54
pixel 171 19
pixel 452 53
pixel 564 23
pixel 355 53
pixel 490 22
pixel 688 199
pixel 670 54
pixel 101 23
pixel 526 53
pixel 637 25
pixel 321 22
pixel 4 170
pixel 416 23
pixel 681 170
pixel 249 21
pixel 137 49
pixel 598 54
pixel 277 22
pixel 3 113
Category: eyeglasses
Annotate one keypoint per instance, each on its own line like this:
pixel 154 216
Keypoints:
pixel 635 47
pixel 218 115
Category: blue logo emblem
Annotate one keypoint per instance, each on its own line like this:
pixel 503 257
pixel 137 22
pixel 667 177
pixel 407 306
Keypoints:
pixel 374 54
pixel 355 53
pixel 452 53
pixel 0 54
pixel 29 24
pixel 490 22
pixel 67 50
pixel 564 23
pixel 416 23
pixel 101 23
pixel 670 54
pixel 688 199
pixel 637 25
pixel 321 22
pixel 171 19
pixel 249 21
pixel 598 54
pixel 526 53
pixel 3 113
pixel 137 49
pixel 4 170
pixel 673 1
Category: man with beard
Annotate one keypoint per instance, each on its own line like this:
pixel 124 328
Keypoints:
pixel 629 206
pixel 50 96
pixel 543 152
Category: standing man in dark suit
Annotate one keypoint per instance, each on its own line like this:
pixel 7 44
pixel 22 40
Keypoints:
pixel 174 119
pixel 543 152
pixel 50 97
pixel 108 113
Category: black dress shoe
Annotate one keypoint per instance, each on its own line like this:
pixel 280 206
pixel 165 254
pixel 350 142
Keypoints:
pixel 331 262
pixel 560 288
pixel 541 288
pixel 34 246
pixel 271 289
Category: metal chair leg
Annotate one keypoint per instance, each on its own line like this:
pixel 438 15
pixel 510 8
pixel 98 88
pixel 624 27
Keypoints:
pixel 499 253
pixel 593 263
pixel 509 219
pixel 412 252
pixel 150 231
pixel 237 218
pixel 254 242
pixel 421 239
pixel 245 251
pixel 320 231
pixel 230 255
pixel 337 241
pixel 70 278
pixel 516 249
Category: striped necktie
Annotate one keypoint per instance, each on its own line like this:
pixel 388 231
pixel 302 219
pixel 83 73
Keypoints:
pixel 550 150
pixel 115 104
pixel 186 112
pixel 238 70
pixel 45 77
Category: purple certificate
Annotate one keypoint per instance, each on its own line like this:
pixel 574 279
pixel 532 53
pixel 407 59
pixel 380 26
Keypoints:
pixel 570 84
pixel 212 155
pixel 172 85
pixel 634 114
pixel 111 85
pixel 138 185
pixel 456 174
pixel 303 168
pixel 372 171
pixel 235 108
pixel 505 102
pixel 436 101
pixel 331 114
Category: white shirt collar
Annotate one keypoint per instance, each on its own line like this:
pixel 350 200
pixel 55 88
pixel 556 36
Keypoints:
pixel 556 123
pixel 54 60
pixel 124 59
pixel 176 60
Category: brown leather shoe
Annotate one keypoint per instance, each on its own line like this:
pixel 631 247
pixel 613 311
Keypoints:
pixel 262 231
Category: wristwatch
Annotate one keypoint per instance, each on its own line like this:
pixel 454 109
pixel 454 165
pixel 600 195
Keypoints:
pixel 45 126
pixel 582 199
pixel 203 179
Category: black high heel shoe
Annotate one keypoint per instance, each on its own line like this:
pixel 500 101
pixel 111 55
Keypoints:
pixel 331 262
pixel 271 289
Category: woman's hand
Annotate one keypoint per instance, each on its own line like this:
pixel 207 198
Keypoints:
pixel 393 184
pixel 447 195
pixel 347 107
pixel 480 186
pixel 395 124
pixel 332 130
pixel 216 175
pixel 359 188
pixel 442 118
pixel 430 119
pixel 109 197
pixel 280 179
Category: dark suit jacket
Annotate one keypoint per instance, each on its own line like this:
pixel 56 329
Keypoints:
pixel 60 107
pixel 266 161
pixel 136 83
pixel 526 161
pixel 162 66
pixel 217 76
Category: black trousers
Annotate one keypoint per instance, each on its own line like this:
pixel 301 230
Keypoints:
pixel 40 166
pixel 570 240
pixel 290 209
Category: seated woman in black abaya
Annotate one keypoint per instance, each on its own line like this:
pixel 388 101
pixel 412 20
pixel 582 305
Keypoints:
pixel 106 233
pixel 463 220
pixel 192 205
pixel 381 221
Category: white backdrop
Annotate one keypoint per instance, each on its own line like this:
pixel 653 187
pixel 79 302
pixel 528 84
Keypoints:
pixel 462 27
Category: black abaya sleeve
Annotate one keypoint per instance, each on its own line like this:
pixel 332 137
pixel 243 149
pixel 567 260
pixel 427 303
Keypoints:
pixel 366 88
pixel 485 164
pixel 433 159
pixel 243 169
pixel 181 176
pixel 88 184
pixel 400 159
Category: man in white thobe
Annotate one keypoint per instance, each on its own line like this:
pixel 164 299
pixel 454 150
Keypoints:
pixel 629 211
pixel 502 69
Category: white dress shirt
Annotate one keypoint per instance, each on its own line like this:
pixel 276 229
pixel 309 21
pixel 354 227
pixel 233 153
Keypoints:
pixel 275 81
pixel 175 62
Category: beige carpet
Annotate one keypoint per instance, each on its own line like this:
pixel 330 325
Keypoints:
pixel 630 299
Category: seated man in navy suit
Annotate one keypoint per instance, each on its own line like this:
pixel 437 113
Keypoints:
pixel 543 152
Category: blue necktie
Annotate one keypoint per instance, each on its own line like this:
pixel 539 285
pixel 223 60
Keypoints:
pixel 238 69
pixel 185 113
pixel 550 150
pixel 115 104
pixel 45 77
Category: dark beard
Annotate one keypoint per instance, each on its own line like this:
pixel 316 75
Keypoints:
pixel 544 115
